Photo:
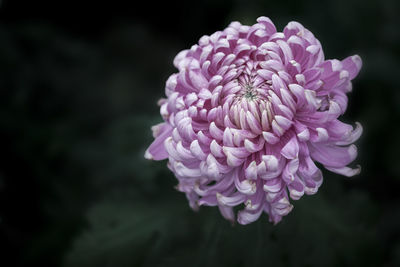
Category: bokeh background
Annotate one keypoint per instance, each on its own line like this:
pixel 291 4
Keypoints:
pixel 78 90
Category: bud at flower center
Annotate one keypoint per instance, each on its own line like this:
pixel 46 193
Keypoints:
pixel 250 93
pixel 251 108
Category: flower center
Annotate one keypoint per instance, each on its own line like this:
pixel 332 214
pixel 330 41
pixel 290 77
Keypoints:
pixel 250 93
pixel 251 108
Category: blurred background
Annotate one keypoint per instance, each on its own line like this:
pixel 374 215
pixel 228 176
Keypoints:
pixel 78 91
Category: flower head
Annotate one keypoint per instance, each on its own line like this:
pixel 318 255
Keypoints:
pixel 249 113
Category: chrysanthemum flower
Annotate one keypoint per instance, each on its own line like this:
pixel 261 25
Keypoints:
pixel 249 113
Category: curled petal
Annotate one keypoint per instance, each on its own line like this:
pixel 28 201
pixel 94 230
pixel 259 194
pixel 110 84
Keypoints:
pixel 254 147
pixel 251 171
pixel 197 151
pixel 332 155
pixel 184 171
pixel 288 174
pixel 246 217
pixel 296 188
pixel 353 65
pixel 291 149
pixel 227 212
pixel 156 150
pixel 231 201
pixel 247 187
pixel 273 185
pixel 346 171
pixel 351 137
pixel 270 138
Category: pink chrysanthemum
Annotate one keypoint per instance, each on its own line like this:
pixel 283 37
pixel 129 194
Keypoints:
pixel 249 112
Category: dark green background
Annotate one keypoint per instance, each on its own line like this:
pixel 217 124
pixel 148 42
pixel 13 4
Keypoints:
pixel 78 91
